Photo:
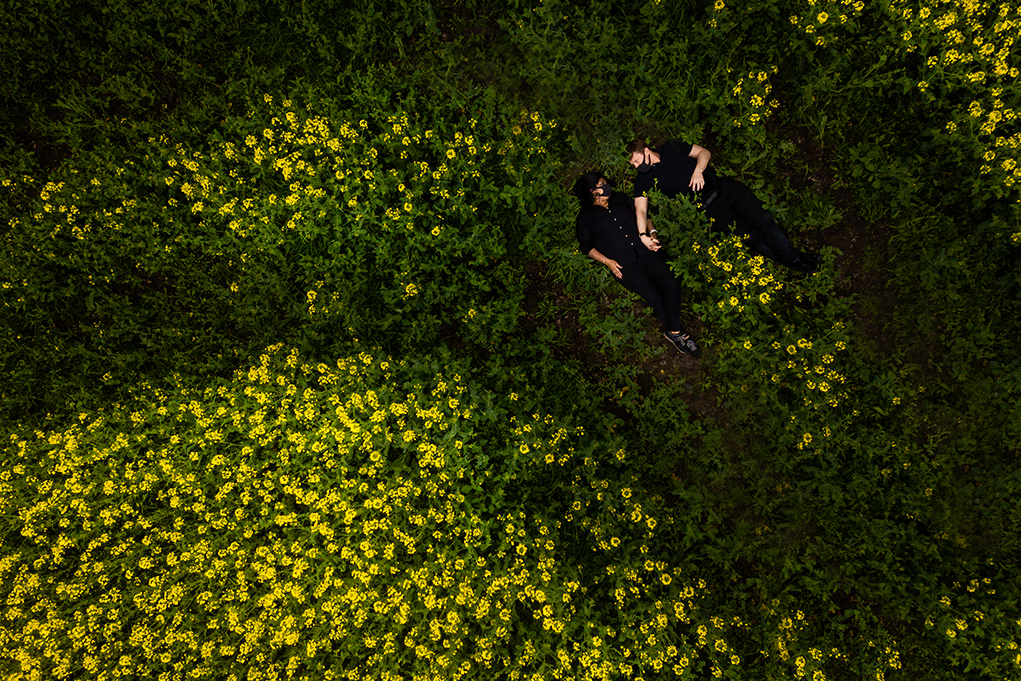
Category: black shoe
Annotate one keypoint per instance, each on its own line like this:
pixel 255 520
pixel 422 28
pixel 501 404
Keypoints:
pixel 808 262
pixel 684 343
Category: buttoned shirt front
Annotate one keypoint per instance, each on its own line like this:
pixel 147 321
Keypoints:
pixel 611 230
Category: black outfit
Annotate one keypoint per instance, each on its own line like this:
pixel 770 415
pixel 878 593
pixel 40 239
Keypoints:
pixel 727 202
pixel 613 232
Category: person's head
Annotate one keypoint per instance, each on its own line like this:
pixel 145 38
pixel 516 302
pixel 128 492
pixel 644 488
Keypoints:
pixel 639 155
pixel 589 187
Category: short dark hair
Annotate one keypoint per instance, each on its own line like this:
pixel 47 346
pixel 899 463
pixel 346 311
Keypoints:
pixel 635 146
pixel 584 185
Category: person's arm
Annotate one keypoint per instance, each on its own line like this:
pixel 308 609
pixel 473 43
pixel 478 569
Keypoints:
pixel 609 262
pixel 642 214
pixel 701 156
pixel 645 229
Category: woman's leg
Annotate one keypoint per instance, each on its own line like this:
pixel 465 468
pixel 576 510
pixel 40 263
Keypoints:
pixel 652 279
pixel 669 286
pixel 665 304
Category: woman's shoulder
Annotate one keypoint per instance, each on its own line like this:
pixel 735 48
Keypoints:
pixel 584 215
pixel 621 200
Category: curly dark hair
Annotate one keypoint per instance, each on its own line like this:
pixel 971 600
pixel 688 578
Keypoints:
pixel 584 185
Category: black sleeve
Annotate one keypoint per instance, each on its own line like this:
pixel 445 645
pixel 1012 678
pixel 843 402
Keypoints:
pixel 583 231
pixel 643 183
pixel 679 147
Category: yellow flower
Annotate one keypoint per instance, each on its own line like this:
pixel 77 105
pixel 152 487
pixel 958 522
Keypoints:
pixel 451 153
pixel 791 349
pixel 523 449
pixel 822 17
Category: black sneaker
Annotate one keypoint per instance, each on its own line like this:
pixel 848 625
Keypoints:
pixel 684 343
pixel 808 263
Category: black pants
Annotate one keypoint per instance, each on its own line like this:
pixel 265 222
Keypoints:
pixel 652 279
pixel 736 206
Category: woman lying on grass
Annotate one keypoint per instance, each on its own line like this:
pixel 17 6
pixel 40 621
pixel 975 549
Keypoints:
pixel 607 233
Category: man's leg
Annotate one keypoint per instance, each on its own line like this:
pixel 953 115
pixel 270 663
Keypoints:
pixel 766 236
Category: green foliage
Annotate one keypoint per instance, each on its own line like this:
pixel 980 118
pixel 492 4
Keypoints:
pixel 288 221
pixel 830 493
pixel 332 520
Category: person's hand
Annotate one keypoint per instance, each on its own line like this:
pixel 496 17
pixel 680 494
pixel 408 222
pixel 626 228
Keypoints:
pixel 650 242
pixel 614 267
pixel 697 181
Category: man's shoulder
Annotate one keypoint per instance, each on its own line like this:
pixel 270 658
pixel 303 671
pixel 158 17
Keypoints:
pixel 643 182
pixel 675 147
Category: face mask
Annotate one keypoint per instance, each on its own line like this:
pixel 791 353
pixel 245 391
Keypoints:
pixel 644 166
pixel 603 191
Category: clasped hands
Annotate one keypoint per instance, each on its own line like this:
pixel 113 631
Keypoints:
pixel 650 242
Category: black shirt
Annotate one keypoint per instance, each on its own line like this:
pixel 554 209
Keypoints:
pixel 672 174
pixel 612 230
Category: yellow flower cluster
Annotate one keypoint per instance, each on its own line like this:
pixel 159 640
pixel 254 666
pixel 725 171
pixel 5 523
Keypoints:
pixel 975 39
pixel 752 92
pixel 303 515
pixel 821 21
pixel 744 277
pixel 802 362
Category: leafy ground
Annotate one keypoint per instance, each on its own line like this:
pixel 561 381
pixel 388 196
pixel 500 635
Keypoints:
pixel 270 268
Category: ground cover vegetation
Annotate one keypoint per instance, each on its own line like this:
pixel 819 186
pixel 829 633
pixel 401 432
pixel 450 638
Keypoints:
pixel 304 376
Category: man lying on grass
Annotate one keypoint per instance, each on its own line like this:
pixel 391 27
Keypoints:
pixel 607 233
pixel 677 168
